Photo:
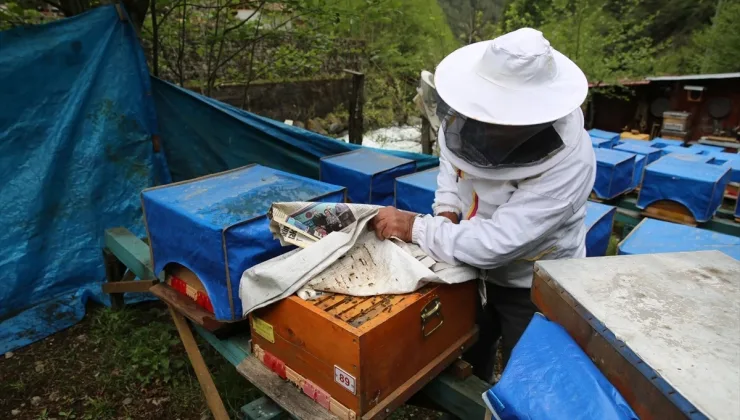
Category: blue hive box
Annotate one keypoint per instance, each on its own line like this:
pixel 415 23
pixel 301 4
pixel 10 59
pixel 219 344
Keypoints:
pixel 706 150
pixel 653 236
pixel 415 192
pixel 697 186
pixel 603 139
pixel 658 141
pixel 679 150
pixel 369 176
pixel 689 158
pixel 652 154
pixel 645 155
pixel 635 142
pixel 217 226
pixel 731 160
pixel 614 173
pixel 599 220
pixel 550 377
pixel 639 172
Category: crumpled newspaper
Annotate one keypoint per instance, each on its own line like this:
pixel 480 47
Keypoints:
pixel 339 254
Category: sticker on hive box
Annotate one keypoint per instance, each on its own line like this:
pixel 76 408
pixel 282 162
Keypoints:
pixel 263 329
pixel 345 379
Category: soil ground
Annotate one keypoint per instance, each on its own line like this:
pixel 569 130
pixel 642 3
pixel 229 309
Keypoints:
pixel 121 365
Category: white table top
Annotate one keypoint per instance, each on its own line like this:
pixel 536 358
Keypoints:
pixel 680 313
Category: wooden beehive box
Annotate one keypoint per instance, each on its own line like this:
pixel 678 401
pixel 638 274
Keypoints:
pixel 361 357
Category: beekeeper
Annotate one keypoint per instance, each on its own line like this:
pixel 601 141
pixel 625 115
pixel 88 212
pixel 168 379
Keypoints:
pixel 516 164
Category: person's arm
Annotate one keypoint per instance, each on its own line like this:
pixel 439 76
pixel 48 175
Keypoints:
pixel 515 229
pixel 446 198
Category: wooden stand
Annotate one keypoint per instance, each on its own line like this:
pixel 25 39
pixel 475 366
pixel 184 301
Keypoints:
pixel 670 211
pixel 453 390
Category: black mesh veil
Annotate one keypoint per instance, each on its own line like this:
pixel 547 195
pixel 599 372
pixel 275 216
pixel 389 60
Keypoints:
pixel 487 145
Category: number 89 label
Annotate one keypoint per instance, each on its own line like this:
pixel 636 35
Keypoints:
pixel 345 379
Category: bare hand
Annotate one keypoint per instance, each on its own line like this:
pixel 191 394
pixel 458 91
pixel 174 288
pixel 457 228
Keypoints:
pixel 393 222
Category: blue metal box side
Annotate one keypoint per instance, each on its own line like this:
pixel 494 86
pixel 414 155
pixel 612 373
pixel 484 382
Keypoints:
pixel 731 160
pixel 653 236
pixel 383 184
pixel 186 221
pixel 695 185
pixel 368 176
pixel 416 192
pixel 250 242
pixel 638 172
pixel 599 221
pixel 614 171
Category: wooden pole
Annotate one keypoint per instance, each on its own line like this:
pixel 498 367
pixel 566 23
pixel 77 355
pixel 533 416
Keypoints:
pixel 426 136
pixel 155 39
pixel 199 366
pixel 356 101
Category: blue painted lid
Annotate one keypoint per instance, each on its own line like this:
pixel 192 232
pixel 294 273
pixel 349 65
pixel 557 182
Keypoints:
pixel 367 161
pixel 595 211
pixel 238 195
pixel 612 157
pixel 667 142
pixel 638 149
pixel 426 180
pixel 595 132
pixel 681 168
pixel 689 158
pixel 655 236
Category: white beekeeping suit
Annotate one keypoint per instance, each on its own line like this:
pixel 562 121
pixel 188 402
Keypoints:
pixel 516 162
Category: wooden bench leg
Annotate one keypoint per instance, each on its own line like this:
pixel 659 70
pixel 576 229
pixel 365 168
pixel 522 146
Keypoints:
pixel 213 399
pixel 113 273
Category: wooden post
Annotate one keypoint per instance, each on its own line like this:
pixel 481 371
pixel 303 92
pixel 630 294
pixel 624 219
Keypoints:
pixel 426 136
pixel 155 38
pixel 356 101
pixel 113 273
pixel 199 366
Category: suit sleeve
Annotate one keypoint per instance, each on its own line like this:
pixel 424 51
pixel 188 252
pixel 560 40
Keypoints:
pixel 513 232
pixel 446 198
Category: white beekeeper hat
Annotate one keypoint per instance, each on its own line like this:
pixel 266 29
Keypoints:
pixel 515 79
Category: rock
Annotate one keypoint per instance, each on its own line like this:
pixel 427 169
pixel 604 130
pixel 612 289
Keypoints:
pixel 8 355
pixel 39 367
pixel 15 412
pixel 335 128
pixel 299 124
pixel 413 121
pixel 82 338
pixel 315 126
pixel 127 401
pixel 35 401
pixel 54 396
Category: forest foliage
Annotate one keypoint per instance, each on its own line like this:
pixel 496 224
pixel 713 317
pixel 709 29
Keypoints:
pixel 203 44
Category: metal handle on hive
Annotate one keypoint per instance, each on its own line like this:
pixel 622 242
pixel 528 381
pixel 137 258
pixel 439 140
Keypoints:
pixel 431 309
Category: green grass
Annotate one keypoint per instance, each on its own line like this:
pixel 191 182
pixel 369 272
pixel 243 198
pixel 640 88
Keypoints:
pixel 121 365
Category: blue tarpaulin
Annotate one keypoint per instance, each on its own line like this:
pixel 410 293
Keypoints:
pixel 77 122
pixel 218 228
pixel 76 126
pixel 550 377
pixel 698 186
pixel 200 140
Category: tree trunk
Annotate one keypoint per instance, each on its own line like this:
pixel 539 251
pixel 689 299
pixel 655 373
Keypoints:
pixel 137 9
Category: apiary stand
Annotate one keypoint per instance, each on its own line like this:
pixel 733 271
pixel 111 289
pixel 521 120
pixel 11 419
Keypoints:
pixel 454 390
